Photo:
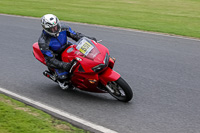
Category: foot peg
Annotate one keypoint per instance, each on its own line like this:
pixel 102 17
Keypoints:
pixel 63 85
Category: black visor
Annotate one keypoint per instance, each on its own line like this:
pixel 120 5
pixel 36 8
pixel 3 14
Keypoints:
pixel 54 29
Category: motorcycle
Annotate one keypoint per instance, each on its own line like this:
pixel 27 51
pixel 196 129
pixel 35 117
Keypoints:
pixel 92 69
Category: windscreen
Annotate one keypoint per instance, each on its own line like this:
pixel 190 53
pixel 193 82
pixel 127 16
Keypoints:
pixel 87 48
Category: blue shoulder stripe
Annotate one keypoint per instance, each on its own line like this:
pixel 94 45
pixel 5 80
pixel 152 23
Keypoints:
pixel 71 31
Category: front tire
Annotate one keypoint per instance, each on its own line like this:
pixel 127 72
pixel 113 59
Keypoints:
pixel 120 90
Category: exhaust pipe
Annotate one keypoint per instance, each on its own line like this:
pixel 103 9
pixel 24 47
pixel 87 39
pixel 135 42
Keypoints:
pixel 50 76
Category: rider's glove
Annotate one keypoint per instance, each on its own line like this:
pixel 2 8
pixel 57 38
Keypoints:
pixel 93 38
pixel 67 66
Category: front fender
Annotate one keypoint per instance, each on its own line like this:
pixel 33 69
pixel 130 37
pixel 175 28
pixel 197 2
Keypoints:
pixel 108 75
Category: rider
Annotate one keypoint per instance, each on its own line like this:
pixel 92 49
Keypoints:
pixel 53 41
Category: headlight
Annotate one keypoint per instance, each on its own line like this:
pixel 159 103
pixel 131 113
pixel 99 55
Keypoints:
pixel 98 67
pixel 101 66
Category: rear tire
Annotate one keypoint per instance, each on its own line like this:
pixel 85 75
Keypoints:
pixel 120 90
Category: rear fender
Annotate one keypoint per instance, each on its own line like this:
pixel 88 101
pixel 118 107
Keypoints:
pixel 38 54
pixel 108 75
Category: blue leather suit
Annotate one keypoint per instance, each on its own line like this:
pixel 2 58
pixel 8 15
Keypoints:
pixel 50 46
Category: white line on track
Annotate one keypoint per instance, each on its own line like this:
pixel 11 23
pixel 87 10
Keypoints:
pixel 59 112
pixel 118 28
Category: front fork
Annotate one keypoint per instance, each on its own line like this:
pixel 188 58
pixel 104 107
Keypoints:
pixel 110 89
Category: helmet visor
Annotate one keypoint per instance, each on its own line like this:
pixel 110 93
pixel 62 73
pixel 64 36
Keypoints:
pixel 54 29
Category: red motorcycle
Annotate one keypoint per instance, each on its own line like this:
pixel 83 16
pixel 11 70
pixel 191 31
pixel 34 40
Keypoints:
pixel 92 69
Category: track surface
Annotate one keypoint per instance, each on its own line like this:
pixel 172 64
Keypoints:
pixel 163 71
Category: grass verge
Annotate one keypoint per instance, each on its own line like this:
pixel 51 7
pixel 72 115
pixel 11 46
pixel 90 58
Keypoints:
pixel 181 17
pixel 17 117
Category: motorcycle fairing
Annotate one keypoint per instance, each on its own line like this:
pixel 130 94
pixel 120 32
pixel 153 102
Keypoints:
pixel 86 63
pixel 38 54
pixel 83 82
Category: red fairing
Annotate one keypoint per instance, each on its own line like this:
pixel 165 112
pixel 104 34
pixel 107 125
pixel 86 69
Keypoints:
pixel 111 62
pixel 71 52
pixel 38 54
pixel 82 81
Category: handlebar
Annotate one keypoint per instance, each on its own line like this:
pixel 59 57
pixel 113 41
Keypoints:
pixel 73 62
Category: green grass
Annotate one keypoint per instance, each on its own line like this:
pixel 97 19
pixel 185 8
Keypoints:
pixel 181 17
pixel 16 117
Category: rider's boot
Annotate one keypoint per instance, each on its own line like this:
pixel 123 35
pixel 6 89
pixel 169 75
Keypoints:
pixel 59 76
pixel 62 79
pixel 63 85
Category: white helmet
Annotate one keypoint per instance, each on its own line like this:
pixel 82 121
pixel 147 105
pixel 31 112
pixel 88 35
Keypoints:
pixel 51 24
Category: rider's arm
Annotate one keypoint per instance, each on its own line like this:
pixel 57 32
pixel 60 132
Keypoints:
pixel 74 35
pixel 49 56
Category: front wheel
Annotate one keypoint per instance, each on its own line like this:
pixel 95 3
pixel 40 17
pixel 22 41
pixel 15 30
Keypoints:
pixel 120 90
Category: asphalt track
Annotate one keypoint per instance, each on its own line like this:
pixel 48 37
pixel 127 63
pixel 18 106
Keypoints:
pixel 162 70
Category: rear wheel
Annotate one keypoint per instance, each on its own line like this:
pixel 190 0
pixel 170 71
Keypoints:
pixel 120 90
